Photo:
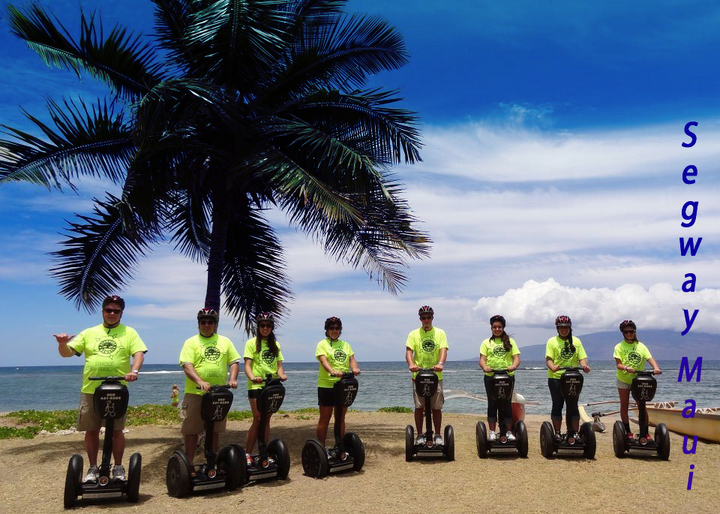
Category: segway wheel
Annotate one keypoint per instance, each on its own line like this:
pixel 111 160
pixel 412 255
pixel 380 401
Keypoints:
pixel 229 461
pixel 588 436
pixel 662 441
pixel 409 443
pixel 279 452
pixel 356 449
pixel 241 469
pixel 619 438
pixel 522 438
pixel 449 443
pixel 314 459
pixel 133 483
pixel 73 481
pixel 177 476
pixel 481 439
pixel 547 443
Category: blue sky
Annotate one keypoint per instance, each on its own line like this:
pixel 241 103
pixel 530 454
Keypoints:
pixel 550 184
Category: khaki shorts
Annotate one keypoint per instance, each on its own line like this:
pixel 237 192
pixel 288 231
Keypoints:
pixel 193 423
pixel 622 385
pixel 436 402
pixel 89 420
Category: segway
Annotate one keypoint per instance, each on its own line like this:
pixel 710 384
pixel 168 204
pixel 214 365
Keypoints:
pixel 501 391
pixel 580 444
pixel 110 402
pixel 273 459
pixel 224 471
pixel 349 451
pixel 426 384
pixel 643 390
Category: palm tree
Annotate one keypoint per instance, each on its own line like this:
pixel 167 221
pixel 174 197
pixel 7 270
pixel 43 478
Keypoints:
pixel 233 108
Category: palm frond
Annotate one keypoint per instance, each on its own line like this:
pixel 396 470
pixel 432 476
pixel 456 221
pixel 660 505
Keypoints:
pixel 171 21
pixel 189 221
pixel 337 52
pixel 100 253
pixel 122 60
pixel 254 276
pixel 86 140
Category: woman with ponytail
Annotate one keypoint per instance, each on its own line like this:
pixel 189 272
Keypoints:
pixel 499 351
pixel 564 350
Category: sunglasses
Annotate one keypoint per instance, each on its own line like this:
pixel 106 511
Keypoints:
pixel 206 322
pixel 426 317
pixel 112 311
pixel 264 325
pixel 628 331
pixel 333 328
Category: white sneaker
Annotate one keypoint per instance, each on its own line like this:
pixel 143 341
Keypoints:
pixel 492 436
pixel 92 474
pixel 510 436
pixel 118 472
pixel 420 440
pixel 438 440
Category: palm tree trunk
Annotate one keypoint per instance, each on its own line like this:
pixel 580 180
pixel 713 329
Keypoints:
pixel 221 212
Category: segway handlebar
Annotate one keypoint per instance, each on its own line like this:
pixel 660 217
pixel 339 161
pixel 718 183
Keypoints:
pixel 110 378
pixel 644 372
pixel 571 368
pixel 498 371
pixel 222 387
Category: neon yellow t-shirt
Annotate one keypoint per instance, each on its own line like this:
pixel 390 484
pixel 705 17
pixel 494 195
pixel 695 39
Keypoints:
pixel 555 349
pixel 496 355
pixel 426 347
pixel 634 355
pixel 210 356
pixel 107 352
pixel 263 362
pixel 338 354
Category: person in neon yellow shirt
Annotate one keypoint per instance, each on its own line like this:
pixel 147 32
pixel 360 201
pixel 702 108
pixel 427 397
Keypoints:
pixel 426 348
pixel 335 357
pixel 262 357
pixel 499 351
pixel 205 358
pixel 564 350
pixel 630 356
pixel 107 348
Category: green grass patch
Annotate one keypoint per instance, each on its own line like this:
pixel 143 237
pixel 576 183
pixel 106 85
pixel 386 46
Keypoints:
pixel 50 420
pixel 239 415
pixel 397 408
pixel 24 432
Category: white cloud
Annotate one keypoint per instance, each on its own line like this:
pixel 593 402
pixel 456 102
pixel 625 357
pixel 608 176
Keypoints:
pixel 659 306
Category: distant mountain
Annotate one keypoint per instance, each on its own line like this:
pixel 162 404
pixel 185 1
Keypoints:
pixel 663 344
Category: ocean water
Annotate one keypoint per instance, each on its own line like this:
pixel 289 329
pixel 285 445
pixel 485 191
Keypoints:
pixel 382 384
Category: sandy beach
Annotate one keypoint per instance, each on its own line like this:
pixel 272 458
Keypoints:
pixel 32 474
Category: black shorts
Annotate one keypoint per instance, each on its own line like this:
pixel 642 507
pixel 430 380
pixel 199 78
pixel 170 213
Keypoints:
pixel 254 393
pixel 326 397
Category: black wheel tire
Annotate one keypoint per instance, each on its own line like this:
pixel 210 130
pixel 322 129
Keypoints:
pixel 231 462
pixel 242 464
pixel 588 438
pixel 547 440
pixel 522 438
pixel 355 447
pixel 73 481
pixel 314 459
pixel 409 443
pixel 619 439
pixel 279 451
pixel 481 439
pixel 133 483
pixel 177 476
pixel 662 441
pixel 449 443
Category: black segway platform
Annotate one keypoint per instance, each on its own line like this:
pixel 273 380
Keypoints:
pixel 643 390
pixel 224 471
pixel 581 444
pixel 501 392
pixel 426 384
pixel 110 402
pixel 272 462
pixel 349 451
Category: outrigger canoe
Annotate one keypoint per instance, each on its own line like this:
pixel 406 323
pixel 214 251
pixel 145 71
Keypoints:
pixel 705 424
